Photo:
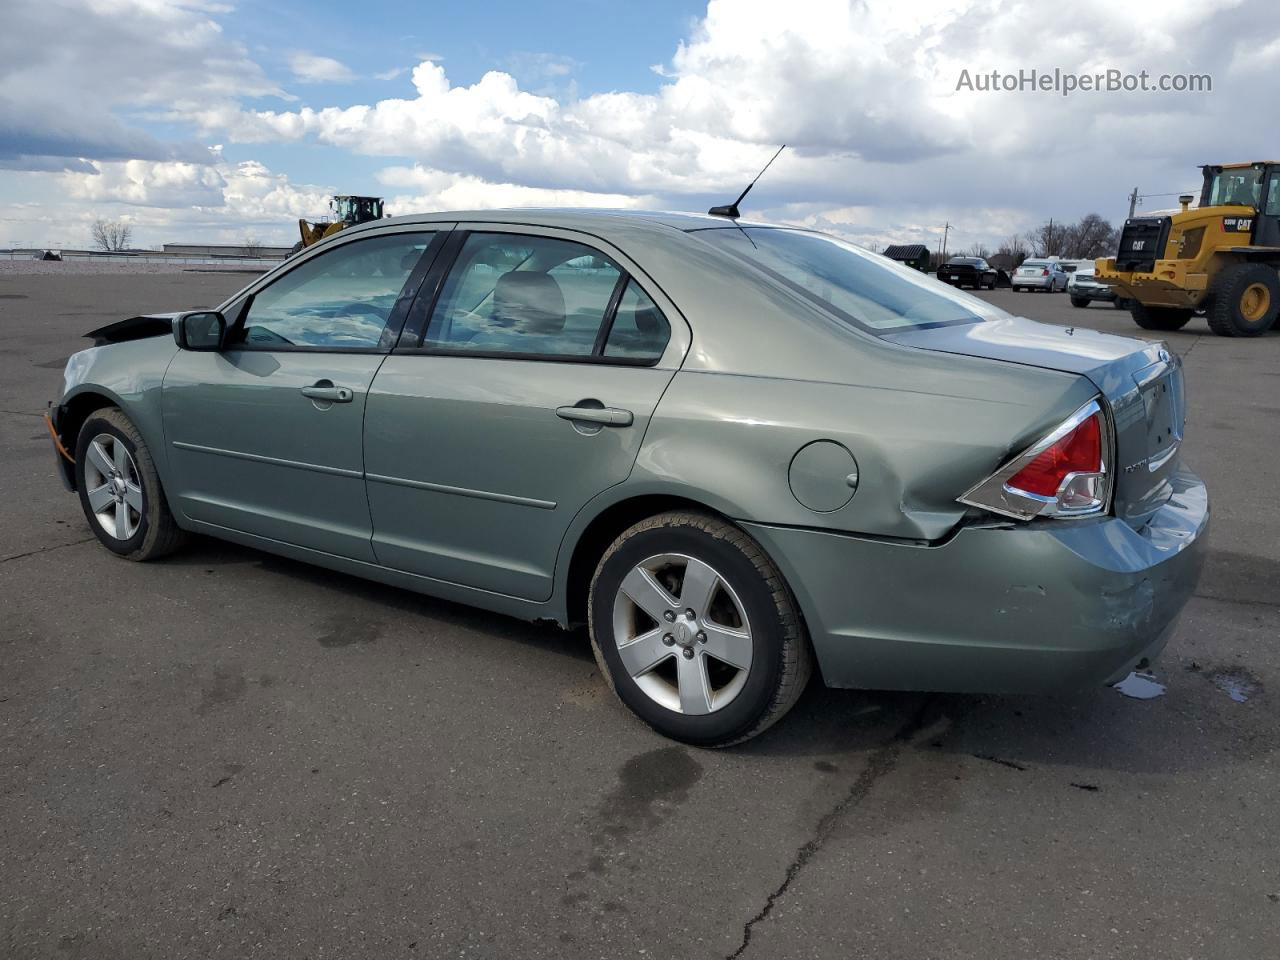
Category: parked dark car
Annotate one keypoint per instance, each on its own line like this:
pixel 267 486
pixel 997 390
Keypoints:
pixel 968 271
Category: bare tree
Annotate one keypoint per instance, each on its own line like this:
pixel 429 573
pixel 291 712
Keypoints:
pixel 1090 238
pixel 980 250
pixel 110 237
pixel 252 248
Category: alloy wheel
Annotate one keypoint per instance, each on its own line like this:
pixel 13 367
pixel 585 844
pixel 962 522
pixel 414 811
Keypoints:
pixel 113 487
pixel 682 633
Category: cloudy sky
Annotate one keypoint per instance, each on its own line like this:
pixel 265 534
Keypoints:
pixel 218 121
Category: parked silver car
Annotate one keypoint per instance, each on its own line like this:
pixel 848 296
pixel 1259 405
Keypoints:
pixel 729 449
pixel 1047 275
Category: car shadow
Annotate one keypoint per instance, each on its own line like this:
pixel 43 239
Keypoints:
pixel 1192 729
pixel 211 554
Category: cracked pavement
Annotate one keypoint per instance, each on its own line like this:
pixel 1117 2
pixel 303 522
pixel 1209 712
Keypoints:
pixel 227 754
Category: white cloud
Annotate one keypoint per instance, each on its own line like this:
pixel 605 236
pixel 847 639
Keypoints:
pixel 66 66
pixel 438 190
pixel 864 92
pixel 313 68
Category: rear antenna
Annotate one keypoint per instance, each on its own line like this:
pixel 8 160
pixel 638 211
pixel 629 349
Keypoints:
pixel 731 210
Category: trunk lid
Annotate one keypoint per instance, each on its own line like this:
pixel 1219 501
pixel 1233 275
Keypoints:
pixel 1142 383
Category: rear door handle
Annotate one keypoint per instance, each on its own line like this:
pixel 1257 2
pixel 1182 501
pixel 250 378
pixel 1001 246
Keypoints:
pixel 605 416
pixel 327 391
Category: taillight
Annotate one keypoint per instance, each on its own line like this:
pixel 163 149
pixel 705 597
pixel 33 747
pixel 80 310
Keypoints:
pixel 1065 474
pixel 1044 273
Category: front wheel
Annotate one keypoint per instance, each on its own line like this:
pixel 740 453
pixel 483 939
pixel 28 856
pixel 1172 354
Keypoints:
pixel 120 490
pixel 695 630
pixel 1079 301
pixel 1245 299
pixel 1159 318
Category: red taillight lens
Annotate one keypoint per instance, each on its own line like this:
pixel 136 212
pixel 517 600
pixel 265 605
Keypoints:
pixel 1080 451
pixel 1066 474
pixel 1044 273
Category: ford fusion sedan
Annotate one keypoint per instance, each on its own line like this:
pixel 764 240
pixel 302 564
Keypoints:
pixel 736 453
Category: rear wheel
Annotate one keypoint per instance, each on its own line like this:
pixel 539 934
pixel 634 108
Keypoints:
pixel 1245 300
pixel 1159 318
pixel 695 630
pixel 120 490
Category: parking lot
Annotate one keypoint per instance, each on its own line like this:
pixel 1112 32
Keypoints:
pixel 230 754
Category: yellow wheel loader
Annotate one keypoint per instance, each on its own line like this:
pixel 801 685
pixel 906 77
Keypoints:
pixel 1221 256
pixel 347 212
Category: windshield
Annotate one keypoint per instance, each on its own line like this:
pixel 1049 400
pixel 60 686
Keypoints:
pixel 863 289
pixel 1239 185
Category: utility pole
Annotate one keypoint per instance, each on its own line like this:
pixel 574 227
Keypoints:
pixel 1133 202
pixel 945 230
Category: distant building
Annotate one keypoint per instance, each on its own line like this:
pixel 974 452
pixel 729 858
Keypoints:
pixel 912 254
pixel 1004 261
pixel 224 250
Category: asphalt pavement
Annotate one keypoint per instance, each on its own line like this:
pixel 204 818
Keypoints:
pixel 227 754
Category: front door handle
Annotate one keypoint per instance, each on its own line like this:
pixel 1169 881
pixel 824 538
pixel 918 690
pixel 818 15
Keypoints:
pixel 328 392
pixel 605 416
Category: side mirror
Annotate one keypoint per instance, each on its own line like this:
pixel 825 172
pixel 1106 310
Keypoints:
pixel 200 330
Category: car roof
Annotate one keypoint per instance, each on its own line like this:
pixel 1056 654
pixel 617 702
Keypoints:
pixel 587 219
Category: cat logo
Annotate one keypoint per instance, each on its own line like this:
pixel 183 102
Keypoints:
pixel 1237 224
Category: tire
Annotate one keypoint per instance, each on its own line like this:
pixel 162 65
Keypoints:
pixel 110 453
pixel 1159 318
pixel 1244 300
pixel 749 614
pixel 1079 301
pixel 1120 303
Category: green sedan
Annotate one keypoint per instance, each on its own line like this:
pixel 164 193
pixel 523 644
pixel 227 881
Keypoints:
pixel 734 452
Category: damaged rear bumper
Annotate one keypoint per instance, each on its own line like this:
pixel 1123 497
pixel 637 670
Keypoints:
pixel 1042 607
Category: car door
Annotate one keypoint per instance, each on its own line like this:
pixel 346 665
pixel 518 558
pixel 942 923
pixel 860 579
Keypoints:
pixel 522 388
pixel 265 437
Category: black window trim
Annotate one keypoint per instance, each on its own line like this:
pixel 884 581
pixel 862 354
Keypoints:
pixel 395 319
pixel 413 337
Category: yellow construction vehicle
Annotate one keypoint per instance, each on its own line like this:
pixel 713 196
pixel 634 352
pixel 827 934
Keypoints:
pixel 1221 256
pixel 347 212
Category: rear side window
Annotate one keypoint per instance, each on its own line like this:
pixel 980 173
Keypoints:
pixel 339 300
pixel 541 297
pixel 639 331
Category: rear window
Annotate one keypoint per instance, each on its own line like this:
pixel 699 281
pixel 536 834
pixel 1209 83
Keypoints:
pixel 861 288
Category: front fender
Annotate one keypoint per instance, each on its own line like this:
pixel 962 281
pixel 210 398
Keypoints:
pixel 126 375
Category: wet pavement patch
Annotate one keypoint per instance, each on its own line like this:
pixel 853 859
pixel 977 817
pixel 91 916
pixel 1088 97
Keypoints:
pixel 344 630
pixel 1140 686
pixel 1236 684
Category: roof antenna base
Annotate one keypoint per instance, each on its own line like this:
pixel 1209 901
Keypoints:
pixel 730 210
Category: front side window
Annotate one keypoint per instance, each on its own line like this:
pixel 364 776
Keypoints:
pixel 858 287
pixel 524 296
pixel 1240 185
pixel 340 300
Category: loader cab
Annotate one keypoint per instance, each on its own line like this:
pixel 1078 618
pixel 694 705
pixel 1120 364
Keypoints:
pixel 1255 185
pixel 353 210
